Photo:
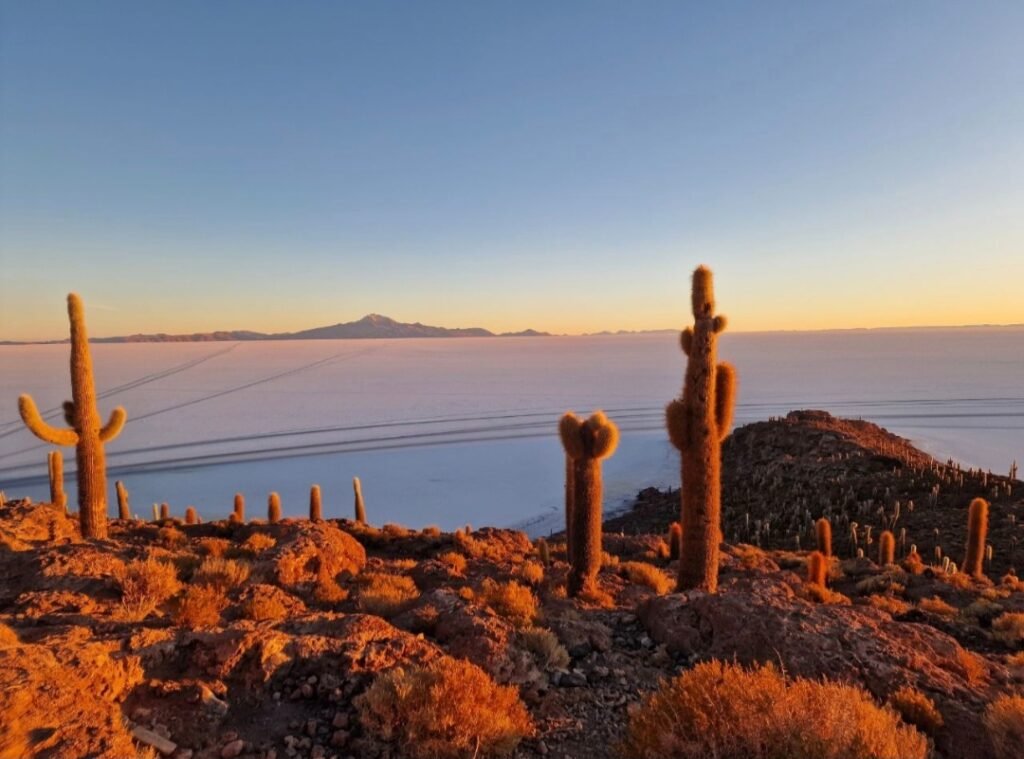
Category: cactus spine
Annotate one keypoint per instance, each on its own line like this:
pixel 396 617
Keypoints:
pixel 886 548
pixel 315 509
pixel 675 541
pixel 823 531
pixel 123 507
pixel 357 488
pixel 587 443
pixel 86 431
pixel 697 424
pixel 55 463
pixel 238 512
pixel 977 531
pixel 274 508
pixel 817 569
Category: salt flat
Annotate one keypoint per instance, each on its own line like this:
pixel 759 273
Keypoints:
pixel 449 431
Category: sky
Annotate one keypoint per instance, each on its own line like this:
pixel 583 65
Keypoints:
pixel 191 166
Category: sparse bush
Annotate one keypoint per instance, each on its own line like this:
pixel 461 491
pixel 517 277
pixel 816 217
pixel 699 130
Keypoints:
pixel 213 546
pixel 223 573
pixel 513 601
pixel 725 711
pixel 200 606
pixel 936 605
pixel 431 531
pixel 639 573
pixel 261 608
pixel 258 542
pixel 532 573
pixel 1009 628
pixel 386 595
pixel 326 589
pixel 395 531
pixel 889 604
pixel 972 667
pixel 454 561
pixel 8 637
pixel 449 709
pixel 1004 720
pixel 916 709
pixel 594 596
pixel 145 585
pixel 171 537
pixel 545 646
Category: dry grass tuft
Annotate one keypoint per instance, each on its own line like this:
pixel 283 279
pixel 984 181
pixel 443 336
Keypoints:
pixel 545 646
pixel 936 605
pixel 513 601
pixel 171 537
pixel 917 709
pixel 639 573
pixel 8 637
pixel 728 712
pixel 222 573
pixel 145 585
pixel 454 561
pixel 216 547
pixel 972 667
pixel 262 608
pixel 1009 628
pixel 889 604
pixel 594 596
pixel 532 573
pixel 448 709
pixel 326 590
pixel 257 543
pixel 386 595
pixel 1004 720
pixel 200 606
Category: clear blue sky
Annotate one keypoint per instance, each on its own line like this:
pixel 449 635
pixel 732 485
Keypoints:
pixel 271 165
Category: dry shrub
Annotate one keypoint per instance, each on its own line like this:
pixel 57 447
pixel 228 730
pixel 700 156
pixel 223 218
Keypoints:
pixel 958 580
pixel 213 546
pixel 1004 720
pixel 395 531
pixel 639 573
pixel 261 608
pixel 592 595
pixel 916 709
pixel 386 595
pixel 257 543
pixel 200 606
pixel 820 594
pixel 532 573
pixel 889 604
pixel 513 601
pixel 893 582
pixel 8 637
pixel 454 561
pixel 545 646
pixel 431 531
pixel 972 667
pixel 728 712
pixel 326 589
pixel 1015 660
pixel 144 585
pixel 1009 628
pixel 222 573
pixel 467 594
pixel 936 605
pixel 402 565
pixel 1011 582
pixel 446 710
pixel 608 560
pixel 171 537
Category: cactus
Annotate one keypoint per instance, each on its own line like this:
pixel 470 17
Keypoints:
pixel 315 509
pixel 156 513
pixel 238 511
pixel 274 508
pixel 55 463
pixel 86 432
pixel 544 552
pixel 587 443
pixel 675 541
pixel 977 530
pixel 123 507
pixel 165 511
pixel 357 488
pixel 817 569
pixel 823 532
pixel 886 548
pixel 191 517
pixel 697 424
pixel 569 477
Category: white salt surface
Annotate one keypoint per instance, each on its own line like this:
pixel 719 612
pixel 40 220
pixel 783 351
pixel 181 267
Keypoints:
pixel 450 431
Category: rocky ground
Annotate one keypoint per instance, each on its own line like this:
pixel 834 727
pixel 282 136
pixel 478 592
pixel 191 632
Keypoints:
pixel 261 639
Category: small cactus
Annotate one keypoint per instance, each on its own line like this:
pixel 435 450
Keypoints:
pixel 85 432
pixel 238 509
pixel 360 507
pixel 274 508
pixel 191 517
pixel 544 552
pixel 675 541
pixel 977 532
pixel 886 548
pixel 55 464
pixel 156 513
pixel 165 511
pixel 823 533
pixel 697 424
pixel 587 443
pixel 817 568
pixel 124 510
pixel 315 509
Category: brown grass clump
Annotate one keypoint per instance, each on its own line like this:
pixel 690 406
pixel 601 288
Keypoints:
pixel 454 561
pixel 936 605
pixel 1004 720
pixel 532 573
pixel 594 596
pixel 258 542
pixel 639 573
pixel 386 595
pixel 8 637
pixel 395 531
pixel 448 709
pixel 171 537
pixel 145 585
pixel 262 608
pixel 972 667
pixel 513 601
pixel 917 709
pixel 889 604
pixel 222 573
pixel 200 606
pixel 545 646
pixel 725 711
pixel 213 546
pixel 1009 628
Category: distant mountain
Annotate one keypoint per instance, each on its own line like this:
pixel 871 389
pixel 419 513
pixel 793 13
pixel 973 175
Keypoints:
pixel 370 326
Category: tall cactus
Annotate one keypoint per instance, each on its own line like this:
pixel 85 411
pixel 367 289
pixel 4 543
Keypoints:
pixel 124 510
pixel 273 508
pixel 823 534
pixel 977 531
pixel 55 463
pixel 360 507
pixel 238 513
pixel 86 432
pixel 587 443
pixel 569 499
pixel 697 424
pixel 315 508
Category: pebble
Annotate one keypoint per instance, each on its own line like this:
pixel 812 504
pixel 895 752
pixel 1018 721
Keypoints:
pixel 232 749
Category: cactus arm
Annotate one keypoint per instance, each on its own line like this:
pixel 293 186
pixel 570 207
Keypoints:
pixel 725 398
pixel 686 340
pixel 113 428
pixel 719 323
pixel 39 428
pixel 675 421
pixel 569 431
pixel 69 412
